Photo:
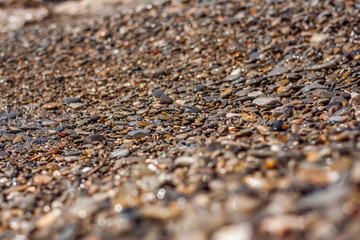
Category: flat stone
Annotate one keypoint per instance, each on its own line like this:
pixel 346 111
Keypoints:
pixel 51 106
pixel 11 115
pixel 157 93
pixel 318 38
pixel 278 71
pixel 76 105
pixel 255 94
pixel 165 99
pixel 336 119
pixel 120 153
pixel 263 101
pixel 139 133
pixel 217 70
pixel 95 137
pixel 325 65
pixel 313 86
pixel 242 93
pixel 150 73
pixel 71 100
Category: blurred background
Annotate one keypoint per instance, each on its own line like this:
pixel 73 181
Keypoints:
pixel 15 14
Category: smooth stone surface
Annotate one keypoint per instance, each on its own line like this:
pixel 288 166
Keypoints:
pixel 120 153
pixel 71 100
pixel 157 93
pixel 313 86
pixel 278 71
pixel 139 133
pixel 150 73
pixel 165 99
pixel 95 138
pixel 263 101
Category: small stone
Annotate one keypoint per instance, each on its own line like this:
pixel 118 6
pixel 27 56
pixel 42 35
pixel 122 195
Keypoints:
pixel 231 78
pixel 51 106
pixel 226 92
pixel 120 153
pixel 72 153
pixel 150 73
pixel 95 138
pixel 218 70
pixel 139 133
pixel 42 179
pixel 263 101
pixel 71 159
pixel 336 119
pixel 318 38
pixel 199 87
pixel 165 99
pixel 102 33
pixel 18 139
pixel 48 219
pixel 11 115
pixel 255 94
pixel 326 65
pixel 76 105
pixel 313 86
pixel 157 93
pixel 278 71
pixel 48 123
pixel 242 93
pixel 71 100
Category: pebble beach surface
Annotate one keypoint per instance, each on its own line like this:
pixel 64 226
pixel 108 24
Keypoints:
pixel 222 120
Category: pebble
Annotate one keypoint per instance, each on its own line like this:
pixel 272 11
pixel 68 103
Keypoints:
pixel 318 38
pixel 263 101
pixel 313 86
pixel 42 179
pixel 151 73
pixel 51 106
pixel 165 100
pixel 157 93
pixel 278 71
pixel 71 100
pixel 95 138
pixel 199 87
pixel 76 105
pixel 120 153
pixel 139 133
pixel 218 70
pixel 11 115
